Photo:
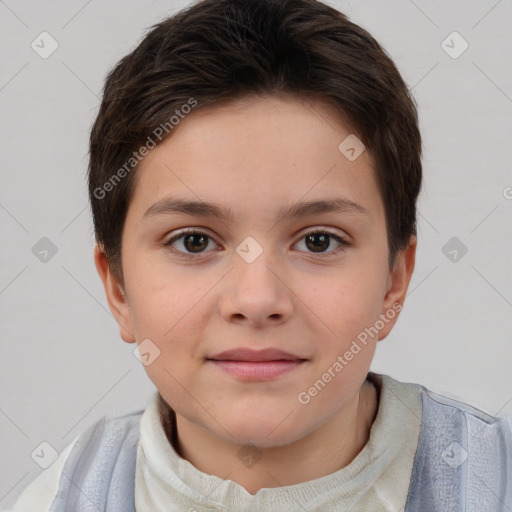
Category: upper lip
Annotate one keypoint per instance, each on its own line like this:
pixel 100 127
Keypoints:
pixel 247 354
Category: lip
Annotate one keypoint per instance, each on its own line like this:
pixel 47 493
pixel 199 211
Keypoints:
pixel 248 354
pixel 249 364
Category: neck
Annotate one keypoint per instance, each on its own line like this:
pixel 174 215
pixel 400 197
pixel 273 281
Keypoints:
pixel 307 459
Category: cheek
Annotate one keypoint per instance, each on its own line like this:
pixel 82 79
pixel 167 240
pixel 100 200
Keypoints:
pixel 159 300
pixel 172 315
pixel 343 304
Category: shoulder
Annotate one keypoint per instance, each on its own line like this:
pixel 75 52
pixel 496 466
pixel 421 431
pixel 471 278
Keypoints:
pixel 485 439
pixel 436 407
pixel 41 492
pixel 106 438
pixel 112 431
pixel 435 403
pixel 463 457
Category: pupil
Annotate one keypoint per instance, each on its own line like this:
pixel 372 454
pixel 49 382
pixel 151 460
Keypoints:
pixel 196 247
pixel 317 242
pixel 321 239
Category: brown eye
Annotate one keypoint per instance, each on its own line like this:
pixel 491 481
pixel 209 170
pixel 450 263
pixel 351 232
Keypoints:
pixel 320 241
pixel 195 243
pixel 189 242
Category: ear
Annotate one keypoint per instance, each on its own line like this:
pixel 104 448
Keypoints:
pixel 397 288
pixel 116 296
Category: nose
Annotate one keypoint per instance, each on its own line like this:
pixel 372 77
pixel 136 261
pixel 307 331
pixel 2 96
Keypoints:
pixel 256 293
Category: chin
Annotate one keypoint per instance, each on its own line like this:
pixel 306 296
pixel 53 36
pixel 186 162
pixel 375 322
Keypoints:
pixel 265 433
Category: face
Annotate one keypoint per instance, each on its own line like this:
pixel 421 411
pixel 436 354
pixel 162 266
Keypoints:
pixel 253 306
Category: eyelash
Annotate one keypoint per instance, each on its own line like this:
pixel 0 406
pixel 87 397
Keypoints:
pixel 191 231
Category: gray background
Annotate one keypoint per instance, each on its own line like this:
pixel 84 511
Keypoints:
pixel 63 363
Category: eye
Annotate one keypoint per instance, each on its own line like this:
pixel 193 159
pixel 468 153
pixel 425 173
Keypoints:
pixel 192 241
pixel 318 241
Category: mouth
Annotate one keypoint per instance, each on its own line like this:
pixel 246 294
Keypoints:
pixel 249 364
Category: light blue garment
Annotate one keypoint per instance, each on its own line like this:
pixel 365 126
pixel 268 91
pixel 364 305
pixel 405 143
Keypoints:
pixel 463 463
pixel 464 459
pixel 99 474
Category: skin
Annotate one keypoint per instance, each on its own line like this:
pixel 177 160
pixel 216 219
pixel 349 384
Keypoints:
pixel 255 155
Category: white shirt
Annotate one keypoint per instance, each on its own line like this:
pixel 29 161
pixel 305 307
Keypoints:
pixel 377 479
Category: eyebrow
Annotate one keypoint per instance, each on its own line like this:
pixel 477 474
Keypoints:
pixel 170 205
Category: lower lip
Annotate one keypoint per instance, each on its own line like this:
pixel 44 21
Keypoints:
pixel 257 370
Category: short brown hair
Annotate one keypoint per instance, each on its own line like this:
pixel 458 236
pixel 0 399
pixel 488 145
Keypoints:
pixel 218 50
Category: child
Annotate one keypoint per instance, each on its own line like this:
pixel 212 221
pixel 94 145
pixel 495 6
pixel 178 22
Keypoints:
pixel 254 171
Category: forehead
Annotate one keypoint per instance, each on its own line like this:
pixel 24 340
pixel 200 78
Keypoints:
pixel 257 152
